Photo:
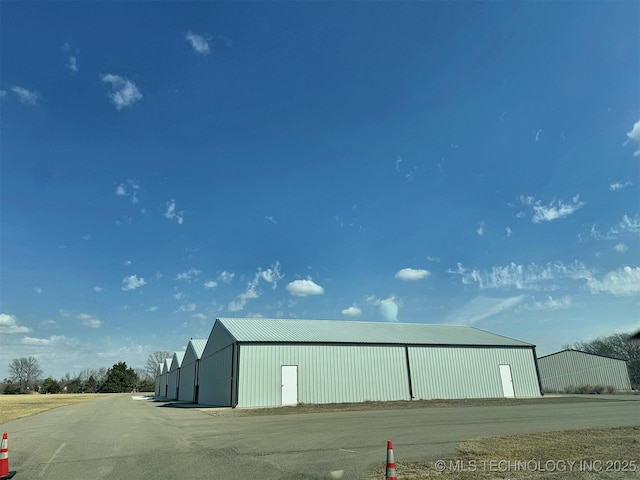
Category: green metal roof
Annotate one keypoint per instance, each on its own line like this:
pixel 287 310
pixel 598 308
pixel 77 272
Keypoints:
pixel 338 331
pixel 198 345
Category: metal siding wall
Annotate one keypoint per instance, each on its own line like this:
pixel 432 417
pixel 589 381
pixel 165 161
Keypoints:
pixel 172 381
pixel 187 381
pixel 218 339
pixel 157 387
pixel 215 378
pixel 470 372
pixel 163 383
pixel 572 369
pixel 326 373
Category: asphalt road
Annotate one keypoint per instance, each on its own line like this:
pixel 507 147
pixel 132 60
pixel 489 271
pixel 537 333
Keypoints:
pixel 122 438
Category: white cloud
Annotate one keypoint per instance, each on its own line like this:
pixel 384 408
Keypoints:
pixel 26 96
pixel 179 296
pixel 126 263
pixel 152 309
pixel 89 320
pixel 509 231
pixel 270 275
pixel 226 277
pixel 304 288
pixel 630 224
pixel 521 277
pixel 188 275
pixel 270 219
pixel 551 303
pixel 389 309
pixel 433 259
pixel 120 191
pixel 132 282
pixel 131 192
pixel 190 307
pixel 634 135
pixel 198 42
pixel 619 185
pixel 352 312
pixel 98 289
pixel 38 290
pixel 172 214
pixel 409 274
pixel 72 64
pixel 622 282
pixel 621 248
pixel 43 342
pixel 480 229
pixel 199 316
pixel 210 284
pixel 552 211
pixel 9 325
pixel 538 133
pixel 124 92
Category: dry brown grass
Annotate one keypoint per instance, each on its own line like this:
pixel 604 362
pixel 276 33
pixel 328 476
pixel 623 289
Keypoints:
pixel 612 453
pixel 18 406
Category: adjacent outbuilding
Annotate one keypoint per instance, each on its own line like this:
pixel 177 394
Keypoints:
pixel 189 385
pixel 569 370
pixel 257 362
pixel 173 377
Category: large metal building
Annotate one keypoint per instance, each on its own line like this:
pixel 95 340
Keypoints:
pixel 257 362
pixel 188 384
pixel 173 377
pixel 571 369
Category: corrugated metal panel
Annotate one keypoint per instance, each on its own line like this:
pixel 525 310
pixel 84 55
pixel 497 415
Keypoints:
pixel 470 372
pixel 166 365
pixel 163 385
pixel 571 368
pixel 176 361
pixel 333 331
pixel 187 381
pixel 218 338
pixel 326 373
pixel 215 378
pixel 197 345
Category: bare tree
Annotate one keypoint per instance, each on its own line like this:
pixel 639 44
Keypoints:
pixel 619 345
pixel 25 371
pixel 152 366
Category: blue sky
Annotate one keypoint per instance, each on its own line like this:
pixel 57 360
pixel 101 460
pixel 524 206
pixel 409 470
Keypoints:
pixel 164 164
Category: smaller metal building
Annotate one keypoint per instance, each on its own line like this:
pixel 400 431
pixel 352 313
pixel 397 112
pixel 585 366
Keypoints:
pixel 161 381
pixel 173 378
pixel 257 362
pixel 572 369
pixel 188 383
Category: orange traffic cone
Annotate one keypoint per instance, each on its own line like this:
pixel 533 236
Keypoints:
pixel 391 463
pixel 4 458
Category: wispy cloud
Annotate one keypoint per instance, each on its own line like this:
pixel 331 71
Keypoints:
pixel 634 136
pixel 622 282
pixel 210 284
pixel 124 93
pixel 304 288
pixel 521 277
pixel 72 64
pixel 199 316
pixel 538 133
pixel 190 307
pixel 38 290
pixel 43 342
pixel 28 97
pixel 98 289
pixel 188 275
pixel 615 186
pixel 481 308
pixel 271 275
pixel 411 274
pixel 198 42
pixel 352 311
pixel 554 210
pixel 408 174
pixel 226 277
pixel 270 219
pixel 480 229
pixel 9 325
pixel 172 214
pixel 621 248
pixel 551 303
pixel 129 189
pixel 132 282
pixel 508 231
pixel 89 320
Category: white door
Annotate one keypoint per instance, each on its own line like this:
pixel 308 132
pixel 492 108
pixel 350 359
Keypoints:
pixel 507 381
pixel 289 385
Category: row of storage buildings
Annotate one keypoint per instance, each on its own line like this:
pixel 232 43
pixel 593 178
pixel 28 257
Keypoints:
pixel 257 362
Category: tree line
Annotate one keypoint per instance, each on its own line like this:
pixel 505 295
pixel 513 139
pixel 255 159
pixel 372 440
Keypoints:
pixel 26 376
